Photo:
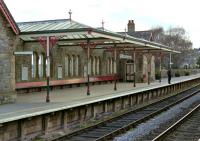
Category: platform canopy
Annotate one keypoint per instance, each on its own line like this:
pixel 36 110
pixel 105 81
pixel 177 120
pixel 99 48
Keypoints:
pixel 72 33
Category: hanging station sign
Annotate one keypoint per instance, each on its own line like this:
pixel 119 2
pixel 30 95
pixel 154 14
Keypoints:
pixel 124 56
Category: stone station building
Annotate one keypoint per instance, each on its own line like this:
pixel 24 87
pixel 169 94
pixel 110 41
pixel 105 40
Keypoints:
pixel 8 41
pixel 78 54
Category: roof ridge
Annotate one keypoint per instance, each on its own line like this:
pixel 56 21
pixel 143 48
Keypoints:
pixel 41 21
pixel 149 30
pixel 82 24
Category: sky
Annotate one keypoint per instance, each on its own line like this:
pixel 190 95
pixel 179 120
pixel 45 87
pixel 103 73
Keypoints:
pixel 115 13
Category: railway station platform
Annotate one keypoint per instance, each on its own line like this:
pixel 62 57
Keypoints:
pixel 33 104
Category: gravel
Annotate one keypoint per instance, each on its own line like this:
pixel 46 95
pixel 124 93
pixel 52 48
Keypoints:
pixel 155 123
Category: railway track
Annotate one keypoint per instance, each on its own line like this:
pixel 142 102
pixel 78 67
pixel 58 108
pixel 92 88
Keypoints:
pixel 110 128
pixel 187 128
pixel 153 127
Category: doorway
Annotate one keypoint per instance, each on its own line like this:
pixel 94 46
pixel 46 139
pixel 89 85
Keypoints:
pixel 129 71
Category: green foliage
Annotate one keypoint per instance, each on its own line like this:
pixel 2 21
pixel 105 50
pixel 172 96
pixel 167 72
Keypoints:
pixel 177 74
pixel 157 76
pixel 198 62
pixel 187 73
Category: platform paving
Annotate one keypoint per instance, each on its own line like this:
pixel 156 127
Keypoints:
pixel 32 104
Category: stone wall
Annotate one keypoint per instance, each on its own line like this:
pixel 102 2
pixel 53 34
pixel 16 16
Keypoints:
pixel 141 68
pixel 57 58
pixel 59 53
pixel 145 68
pixel 8 41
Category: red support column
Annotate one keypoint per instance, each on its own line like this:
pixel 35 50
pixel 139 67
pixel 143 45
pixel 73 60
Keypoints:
pixel 160 59
pixel 48 69
pixel 115 68
pixel 48 43
pixel 44 66
pixel 88 76
pixel 149 66
pixel 134 68
pixel 88 48
pixel 37 66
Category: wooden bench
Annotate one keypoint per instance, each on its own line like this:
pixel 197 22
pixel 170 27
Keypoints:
pixel 26 87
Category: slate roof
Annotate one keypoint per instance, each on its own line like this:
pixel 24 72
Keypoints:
pixel 72 30
pixel 50 25
pixel 146 35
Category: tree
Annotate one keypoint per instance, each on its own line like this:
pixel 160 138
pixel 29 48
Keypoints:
pixel 177 39
pixel 198 62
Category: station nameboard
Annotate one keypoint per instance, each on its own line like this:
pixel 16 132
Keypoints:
pixel 124 56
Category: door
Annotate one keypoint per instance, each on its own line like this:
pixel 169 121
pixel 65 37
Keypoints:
pixel 129 72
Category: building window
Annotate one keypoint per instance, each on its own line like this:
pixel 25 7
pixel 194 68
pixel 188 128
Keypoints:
pixel 152 67
pixel 111 65
pixel 71 66
pixel 89 66
pixel 115 71
pixel 93 66
pixel 74 65
pixel 95 60
pixel 33 64
pixel 85 70
pixel 41 65
pixel 67 66
pixel 50 67
pixel 91 58
pixel 108 65
pixel 98 64
pixel 77 66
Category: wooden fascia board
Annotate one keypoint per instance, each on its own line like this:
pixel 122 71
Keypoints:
pixel 9 17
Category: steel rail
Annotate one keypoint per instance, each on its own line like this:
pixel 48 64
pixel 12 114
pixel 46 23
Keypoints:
pixel 132 124
pixel 176 125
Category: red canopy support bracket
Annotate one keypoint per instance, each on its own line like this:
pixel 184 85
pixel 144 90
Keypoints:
pixel 52 42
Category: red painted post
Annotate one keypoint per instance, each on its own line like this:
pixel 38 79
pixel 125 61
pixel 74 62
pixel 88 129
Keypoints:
pixel 48 69
pixel 48 42
pixel 149 66
pixel 134 80
pixel 115 68
pixel 88 59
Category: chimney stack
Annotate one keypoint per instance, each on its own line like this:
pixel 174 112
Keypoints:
pixel 131 26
